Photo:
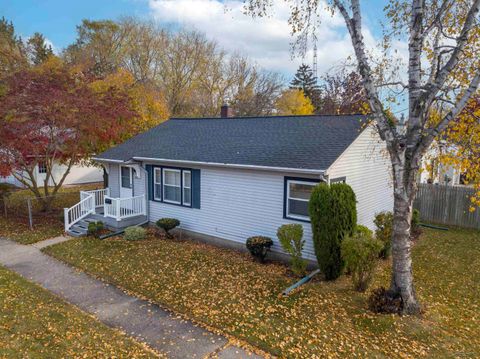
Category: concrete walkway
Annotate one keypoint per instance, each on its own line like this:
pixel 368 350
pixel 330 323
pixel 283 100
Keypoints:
pixel 51 241
pixel 160 329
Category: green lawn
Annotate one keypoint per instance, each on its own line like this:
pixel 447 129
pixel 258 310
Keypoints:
pixel 227 290
pixel 46 225
pixel 36 324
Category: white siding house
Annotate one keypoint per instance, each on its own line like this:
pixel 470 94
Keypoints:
pixel 238 201
pixel 366 167
pixel 79 174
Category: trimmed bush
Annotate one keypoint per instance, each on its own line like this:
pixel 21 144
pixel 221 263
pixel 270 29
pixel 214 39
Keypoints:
pixel 416 230
pixel 134 233
pixel 384 223
pixel 94 228
pixel 385 301
pixel 360 253
pixel 291 239
pixel 167 224
pixel 259 246
pixel 333 215
pixel 363 230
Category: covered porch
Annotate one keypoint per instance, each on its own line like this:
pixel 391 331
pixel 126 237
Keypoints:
pixel 97 205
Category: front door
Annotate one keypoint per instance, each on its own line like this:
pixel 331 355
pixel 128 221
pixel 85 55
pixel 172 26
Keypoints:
pixel 126 182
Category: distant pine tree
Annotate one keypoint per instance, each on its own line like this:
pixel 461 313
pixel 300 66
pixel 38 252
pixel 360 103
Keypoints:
pixel 12 49
pixel 305 80
pixel 38 48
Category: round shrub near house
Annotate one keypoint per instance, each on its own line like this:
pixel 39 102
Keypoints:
pixel 134 233
pixel 94 228
pixel 360 254
pixel 291 239
pixel 259 246
pixel 167 224
pixel 333 214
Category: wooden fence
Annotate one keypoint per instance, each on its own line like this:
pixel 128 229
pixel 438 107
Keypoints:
pixel 447 205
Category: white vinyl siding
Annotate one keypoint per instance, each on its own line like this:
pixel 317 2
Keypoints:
pixel 114 180
pixel 236 204
pixel 365 164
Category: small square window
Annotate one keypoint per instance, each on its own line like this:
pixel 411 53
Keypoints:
pixel 298 194
pixel 42 167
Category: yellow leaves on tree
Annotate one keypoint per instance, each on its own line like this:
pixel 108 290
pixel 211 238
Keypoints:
pixel 294 102
pixel 463 149
pixel 147 102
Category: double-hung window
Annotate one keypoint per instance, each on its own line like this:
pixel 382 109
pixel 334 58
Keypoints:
pixel 187 188
pixel 297 195
pixel 175 186
pixel 172 186
pixel 157 184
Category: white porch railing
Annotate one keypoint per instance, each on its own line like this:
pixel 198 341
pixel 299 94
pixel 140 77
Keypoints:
pixel 99 195
pixel 121 208
pixel 82 209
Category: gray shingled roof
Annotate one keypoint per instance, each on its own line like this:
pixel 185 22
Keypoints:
pixel 300 142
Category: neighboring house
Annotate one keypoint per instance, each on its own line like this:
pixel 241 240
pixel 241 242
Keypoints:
pixel 435 172
pixel 232 178
pixel 78 175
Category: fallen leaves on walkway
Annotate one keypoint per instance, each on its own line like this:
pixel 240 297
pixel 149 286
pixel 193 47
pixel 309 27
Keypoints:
pixel 227 290
pixel 36 324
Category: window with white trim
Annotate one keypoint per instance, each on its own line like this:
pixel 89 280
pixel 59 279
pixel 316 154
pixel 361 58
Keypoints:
pixel 187 188
pixel 157 184
pixel 42 167
pixel 297 196
pixel 126 177
pixel 172 186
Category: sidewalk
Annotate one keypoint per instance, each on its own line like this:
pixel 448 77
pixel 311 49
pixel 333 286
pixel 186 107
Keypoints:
pixel 160 329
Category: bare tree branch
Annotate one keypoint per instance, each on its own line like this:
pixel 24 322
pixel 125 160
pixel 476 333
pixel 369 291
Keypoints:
pixel 432 87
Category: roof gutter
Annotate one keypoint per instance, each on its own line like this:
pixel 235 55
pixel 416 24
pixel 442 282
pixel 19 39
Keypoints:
pixel 98 159
pixel 229 165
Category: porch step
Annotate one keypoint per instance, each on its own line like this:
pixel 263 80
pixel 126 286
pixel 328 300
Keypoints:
pixel 77 231
pixel 80 228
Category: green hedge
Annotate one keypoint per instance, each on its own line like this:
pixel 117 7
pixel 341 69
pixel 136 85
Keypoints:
pixel 333 213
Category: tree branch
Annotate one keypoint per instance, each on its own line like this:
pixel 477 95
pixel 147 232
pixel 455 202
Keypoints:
pixel 432 87
pixel 386 131
pixel 451 115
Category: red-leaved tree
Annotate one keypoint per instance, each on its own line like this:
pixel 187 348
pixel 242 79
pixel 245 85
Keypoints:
pixel 50 114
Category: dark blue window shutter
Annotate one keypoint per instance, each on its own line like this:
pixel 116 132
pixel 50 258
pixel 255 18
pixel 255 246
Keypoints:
pixel 196 188
pixel 150 181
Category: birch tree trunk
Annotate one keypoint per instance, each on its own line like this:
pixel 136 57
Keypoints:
pixel 402 271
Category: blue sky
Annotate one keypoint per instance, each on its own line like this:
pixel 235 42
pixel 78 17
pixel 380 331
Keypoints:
pixel 265 41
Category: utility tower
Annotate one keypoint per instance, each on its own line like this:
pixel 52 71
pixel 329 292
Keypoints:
pixel 315 65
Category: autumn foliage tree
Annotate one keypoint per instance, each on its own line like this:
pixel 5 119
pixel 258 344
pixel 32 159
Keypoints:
pixel 149 104
pixel 462 150
pixel 50 113
pixel 342 94
pixel 294 102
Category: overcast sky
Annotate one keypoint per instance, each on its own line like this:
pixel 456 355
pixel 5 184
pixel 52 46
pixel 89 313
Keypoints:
pixel 266 41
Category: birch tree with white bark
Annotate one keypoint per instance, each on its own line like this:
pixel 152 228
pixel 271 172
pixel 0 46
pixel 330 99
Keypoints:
pixel 441 74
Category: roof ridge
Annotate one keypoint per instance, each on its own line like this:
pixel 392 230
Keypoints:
pixel 266 116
